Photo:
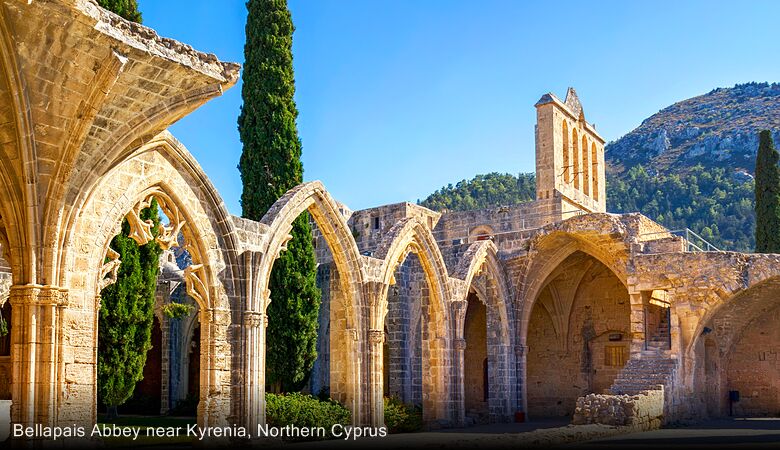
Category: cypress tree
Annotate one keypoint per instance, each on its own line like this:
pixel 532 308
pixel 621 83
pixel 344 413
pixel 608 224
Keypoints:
pixel 127 307
pixel 127 315
pixel 767 196
pixel 271 165
pixel 127 9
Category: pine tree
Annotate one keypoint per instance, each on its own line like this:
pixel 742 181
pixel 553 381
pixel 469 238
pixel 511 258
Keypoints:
pixel 127 9
pixel 767 196
pixel 127 316
pixel 271 165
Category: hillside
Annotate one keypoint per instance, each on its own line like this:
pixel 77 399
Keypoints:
pixel 717 129
pixel 483 191
pixel 689 165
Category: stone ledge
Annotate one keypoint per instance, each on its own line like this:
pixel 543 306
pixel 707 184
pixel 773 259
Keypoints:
pixel 144 38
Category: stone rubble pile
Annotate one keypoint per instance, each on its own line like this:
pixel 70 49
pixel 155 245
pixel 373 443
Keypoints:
pixel 643 411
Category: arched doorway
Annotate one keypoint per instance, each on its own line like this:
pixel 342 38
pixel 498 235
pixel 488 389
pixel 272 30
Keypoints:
pixel 475 362
pixel 577 335
pixel 737 367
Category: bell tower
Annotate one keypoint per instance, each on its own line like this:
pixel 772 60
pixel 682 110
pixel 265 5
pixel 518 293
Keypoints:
pixel 569 155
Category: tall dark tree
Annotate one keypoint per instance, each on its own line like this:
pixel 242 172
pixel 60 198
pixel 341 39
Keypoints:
pixel 767 196
pixel 271 165
pixel 127 307
pixel 127 316
pixel 124 8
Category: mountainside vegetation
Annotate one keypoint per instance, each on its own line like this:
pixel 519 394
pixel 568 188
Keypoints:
pixel 708 201
pixel 691 165
pixel 483 191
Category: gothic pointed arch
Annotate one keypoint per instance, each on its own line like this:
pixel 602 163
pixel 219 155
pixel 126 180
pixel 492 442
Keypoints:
pixel 411 235
pixel 314 198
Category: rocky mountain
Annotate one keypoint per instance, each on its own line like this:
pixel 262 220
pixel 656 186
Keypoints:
pixel 717 129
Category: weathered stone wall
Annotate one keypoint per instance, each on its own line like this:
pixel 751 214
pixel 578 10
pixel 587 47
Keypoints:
pixel 403 334
pixel 641 412
pixel 509 227
pixel 370 226
pixel 754 368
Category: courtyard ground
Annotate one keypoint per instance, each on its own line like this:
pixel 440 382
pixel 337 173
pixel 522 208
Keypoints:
pixel 716 434
pixel 724 433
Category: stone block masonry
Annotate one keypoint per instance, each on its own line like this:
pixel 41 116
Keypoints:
pixel 642 412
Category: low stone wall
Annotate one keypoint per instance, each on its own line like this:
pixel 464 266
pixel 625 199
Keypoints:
pixel 643 411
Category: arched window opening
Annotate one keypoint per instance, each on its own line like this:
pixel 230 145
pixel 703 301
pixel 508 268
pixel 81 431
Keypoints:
pixel 566 154
pixel 594 157
pixel 586 168
pixel 577 156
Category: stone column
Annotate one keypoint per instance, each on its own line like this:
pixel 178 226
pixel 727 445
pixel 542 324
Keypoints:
pixel 638 325
pixel 214 408
pixel 255 325
pixel 165 363
pixel 376 396
pixel 675 331
pixel 459 391
pixel 35 349
pixel 522 381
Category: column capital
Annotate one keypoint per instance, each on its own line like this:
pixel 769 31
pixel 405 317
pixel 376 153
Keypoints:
pixel 34 294
pixel 352 333
pixel 255 318
pixel 521 350
pixel 376 336
pixel 460 344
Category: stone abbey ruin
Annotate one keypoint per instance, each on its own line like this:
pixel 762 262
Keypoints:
pixel 548 308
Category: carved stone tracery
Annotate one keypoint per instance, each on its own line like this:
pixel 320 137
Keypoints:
pixel 109 271
pixel 167 235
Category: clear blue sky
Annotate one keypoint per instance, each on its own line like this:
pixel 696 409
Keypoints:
pixel 398 98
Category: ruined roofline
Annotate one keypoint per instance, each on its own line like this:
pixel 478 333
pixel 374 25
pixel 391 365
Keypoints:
pixel 147 40
pixel 552 98
pixel 435 215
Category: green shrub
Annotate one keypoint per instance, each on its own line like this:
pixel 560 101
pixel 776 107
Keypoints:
pixel 304 411
pixel 401 417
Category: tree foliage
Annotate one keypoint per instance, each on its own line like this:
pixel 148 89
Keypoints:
pixel 127 315
pixel 127 9
pixel 767 196
pixel 270 165
pixel 709 201
pixel 483 191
